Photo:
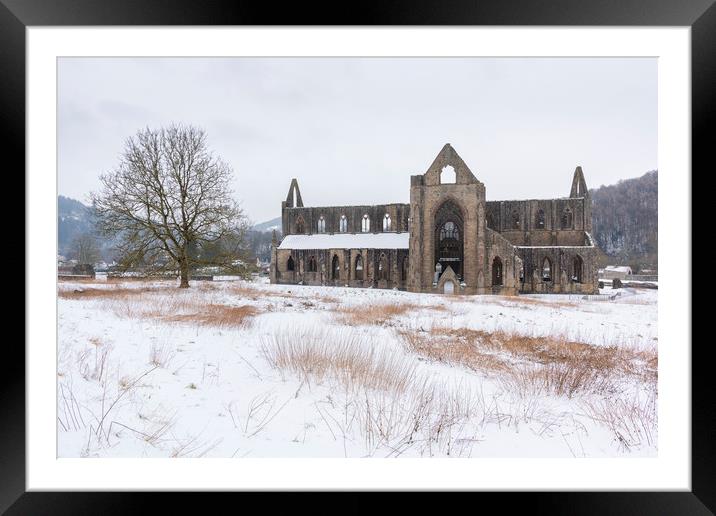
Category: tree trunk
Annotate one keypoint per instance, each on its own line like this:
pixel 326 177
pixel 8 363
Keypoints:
pixel 184 271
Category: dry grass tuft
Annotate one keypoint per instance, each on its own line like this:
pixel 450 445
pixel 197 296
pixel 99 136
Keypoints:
pixel 528 303
pixel 355 363
pixel 164 303
pixel 534 364
pixel 115 292
pixel 222 316
pixel 633 421
pixel 380 314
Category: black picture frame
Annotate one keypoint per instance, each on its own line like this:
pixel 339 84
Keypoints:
pixel 700 15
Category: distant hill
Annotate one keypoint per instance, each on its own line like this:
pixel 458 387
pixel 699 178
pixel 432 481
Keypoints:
pixel 73 219
pixel 269 225
pixel 625 221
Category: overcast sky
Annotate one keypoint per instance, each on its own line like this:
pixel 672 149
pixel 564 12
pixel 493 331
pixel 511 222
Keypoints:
pixel 353 130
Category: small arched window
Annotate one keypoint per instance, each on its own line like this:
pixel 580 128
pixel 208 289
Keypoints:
pixel 343 225
pixel 578 266
pixel 365 224
pixel 312 264
pixel 359 268
pixel 546 270
pixel 321 224
pixel 290 265
pixel 386 222
pixel 540 219
pixel 567 219
pixel 300 225
pixel 335 268
pixel 382 267
pixel 515 219
pixel 497 271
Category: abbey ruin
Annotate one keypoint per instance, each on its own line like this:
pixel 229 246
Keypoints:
pixel 448 239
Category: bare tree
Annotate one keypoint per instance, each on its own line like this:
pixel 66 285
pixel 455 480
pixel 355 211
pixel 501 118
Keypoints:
pixel 84 248
pixel 169 204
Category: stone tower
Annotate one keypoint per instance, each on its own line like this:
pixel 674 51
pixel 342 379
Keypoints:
pixel 447 223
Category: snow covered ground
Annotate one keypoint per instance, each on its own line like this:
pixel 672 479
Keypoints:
pixel 238 369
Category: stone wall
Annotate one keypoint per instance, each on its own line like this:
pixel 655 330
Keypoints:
pixel 399 214
pixel 348 275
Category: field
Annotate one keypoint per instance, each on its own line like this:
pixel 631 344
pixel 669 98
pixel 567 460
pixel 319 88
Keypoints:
pixel 248 369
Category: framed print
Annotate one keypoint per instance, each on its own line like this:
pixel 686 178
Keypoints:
pixel 422 252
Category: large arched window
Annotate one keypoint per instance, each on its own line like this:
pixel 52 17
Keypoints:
pixel 540 219
pixel 335 268
pixel 300 225
pixel 343 225
pixel 567 219
pixel 365 224
pixel 546 270
pixel 449 236
pixel 515 219
pixel 382 267
pixel 312 264
pixel 496 271
pixel 578 266
pixel 290 266
pixel 321 224
pixel 386 222
pixel 359 268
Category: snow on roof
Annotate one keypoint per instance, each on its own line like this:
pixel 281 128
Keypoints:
pixel 618 268
pixel 346 241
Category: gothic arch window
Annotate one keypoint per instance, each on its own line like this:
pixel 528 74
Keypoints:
pixel 497 271
pixel 449 235
pixel 404 270
pixel 448 175
pixel 321 224
pixel 365 224
pixel 359 268
pixel 343 225
pixel 515 219
pixel 300 225
pixel 540 219
pixel 547 270
pixel 491 220
pixel 312 264
pixel 335 268
pixel 290 265
pixel 578 267
pixel 382 267
pixel 567 219
pixel 386 222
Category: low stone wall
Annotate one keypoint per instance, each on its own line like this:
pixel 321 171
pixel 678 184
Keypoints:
pixel 642 277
